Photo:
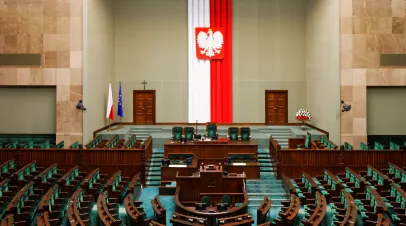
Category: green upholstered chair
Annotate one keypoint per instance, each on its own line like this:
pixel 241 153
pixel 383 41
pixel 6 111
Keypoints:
pixel 306 145
pixel 176 133
pixel 206 199
pixel 347 146
pixel 189 131
pixel 226 199
pixel 363 146
pixel 211 130
pixel 393 146
pixel 233 133
pixel 245 133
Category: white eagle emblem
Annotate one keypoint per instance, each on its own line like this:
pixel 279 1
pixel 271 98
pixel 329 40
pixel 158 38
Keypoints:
pixel 210 43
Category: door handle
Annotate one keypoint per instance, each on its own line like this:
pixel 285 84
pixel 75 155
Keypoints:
pixel 274 108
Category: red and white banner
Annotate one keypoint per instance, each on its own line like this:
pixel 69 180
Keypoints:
pixel 110 105
pixel 209 43
pixel 210 60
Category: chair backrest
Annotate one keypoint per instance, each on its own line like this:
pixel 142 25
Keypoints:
pixel 245 133
pixel 206 199
pixel 347 146
pixel 226 199
pixel 307 141
pixel 189 132
pixel 233 133
pixel 363 146
pixel 393 146
pixel 211 129
pixel 176 133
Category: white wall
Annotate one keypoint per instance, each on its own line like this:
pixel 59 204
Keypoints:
pixel 268 54
pixel 98 67
pixel 151 44
pixel 323 65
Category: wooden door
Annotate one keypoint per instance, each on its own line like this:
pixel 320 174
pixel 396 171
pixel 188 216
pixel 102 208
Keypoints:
pixel 276 107
pixel 144 107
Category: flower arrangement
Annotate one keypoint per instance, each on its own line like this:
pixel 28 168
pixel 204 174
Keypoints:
pixel 303 115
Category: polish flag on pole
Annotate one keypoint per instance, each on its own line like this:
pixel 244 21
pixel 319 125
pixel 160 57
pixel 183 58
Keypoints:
pixel 110 106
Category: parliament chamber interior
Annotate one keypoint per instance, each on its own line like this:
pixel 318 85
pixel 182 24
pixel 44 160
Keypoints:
pixel 202 112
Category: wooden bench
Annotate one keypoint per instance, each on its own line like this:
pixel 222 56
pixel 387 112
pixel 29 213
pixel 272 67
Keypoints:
pixel 132 209
pixel 353 180
pixel 346 209
pixel 397 174
pixel 289 211
pixel 317 210
pixel 180 219
pixel 7 168
pixel 54 202
pixel 107 210
pixel 93 183
pixel 377 178
pixel 287 185
pixel 159 210
pixel 117 186
pixel 26 173
pixel 244 219
pixel 9 221
pixel 263 210
pixel 71 179
pixel 79 202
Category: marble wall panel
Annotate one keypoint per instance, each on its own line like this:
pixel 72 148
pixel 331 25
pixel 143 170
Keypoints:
pixel 53 29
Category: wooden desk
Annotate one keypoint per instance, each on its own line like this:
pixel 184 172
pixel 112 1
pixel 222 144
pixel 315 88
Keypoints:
pixel 168 173
pixel 251 169
pixel 211 149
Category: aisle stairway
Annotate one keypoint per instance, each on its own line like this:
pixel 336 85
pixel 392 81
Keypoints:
pixel 268 185
pixel 280 134
pixel 143 133
pixel 153 168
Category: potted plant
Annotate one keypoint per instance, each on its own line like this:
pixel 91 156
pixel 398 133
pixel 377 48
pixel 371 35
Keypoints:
pixel 304 116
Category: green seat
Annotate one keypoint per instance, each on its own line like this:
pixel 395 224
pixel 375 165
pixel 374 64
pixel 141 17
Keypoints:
pixel 393 146
pixel 363 146
pixel 176 133
pixel 211 130
pixel 347 146
pixel 233 133
pixel 306 145
pixel 226 199
pixel 245 133
pixel 206 199
pixel 189 131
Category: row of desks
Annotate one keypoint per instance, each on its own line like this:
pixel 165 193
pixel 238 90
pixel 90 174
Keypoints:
pixel 210 152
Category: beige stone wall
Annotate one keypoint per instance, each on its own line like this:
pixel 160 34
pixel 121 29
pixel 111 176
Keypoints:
pixel 53 29
pixel 368 28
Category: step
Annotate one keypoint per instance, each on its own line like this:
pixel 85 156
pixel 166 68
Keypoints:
pixel 154 173
pixel 154 178
pixel 264 160
pixel 265 169
pixel 157 155
pixel 153 183
pixel 153 168
pixel 145 130
pixel 265 164
pixel 281 137
pixel 158 151
pixel 276 206
pixel 153 164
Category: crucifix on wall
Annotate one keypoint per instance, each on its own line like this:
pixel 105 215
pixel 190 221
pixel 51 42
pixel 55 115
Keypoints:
pixel 144 83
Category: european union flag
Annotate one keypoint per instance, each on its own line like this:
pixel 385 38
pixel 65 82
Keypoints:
pixel 120 103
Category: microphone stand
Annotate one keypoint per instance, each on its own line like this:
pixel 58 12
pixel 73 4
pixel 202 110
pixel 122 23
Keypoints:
pixel 196 131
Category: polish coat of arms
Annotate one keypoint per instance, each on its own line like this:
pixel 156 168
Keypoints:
pixel 209 43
